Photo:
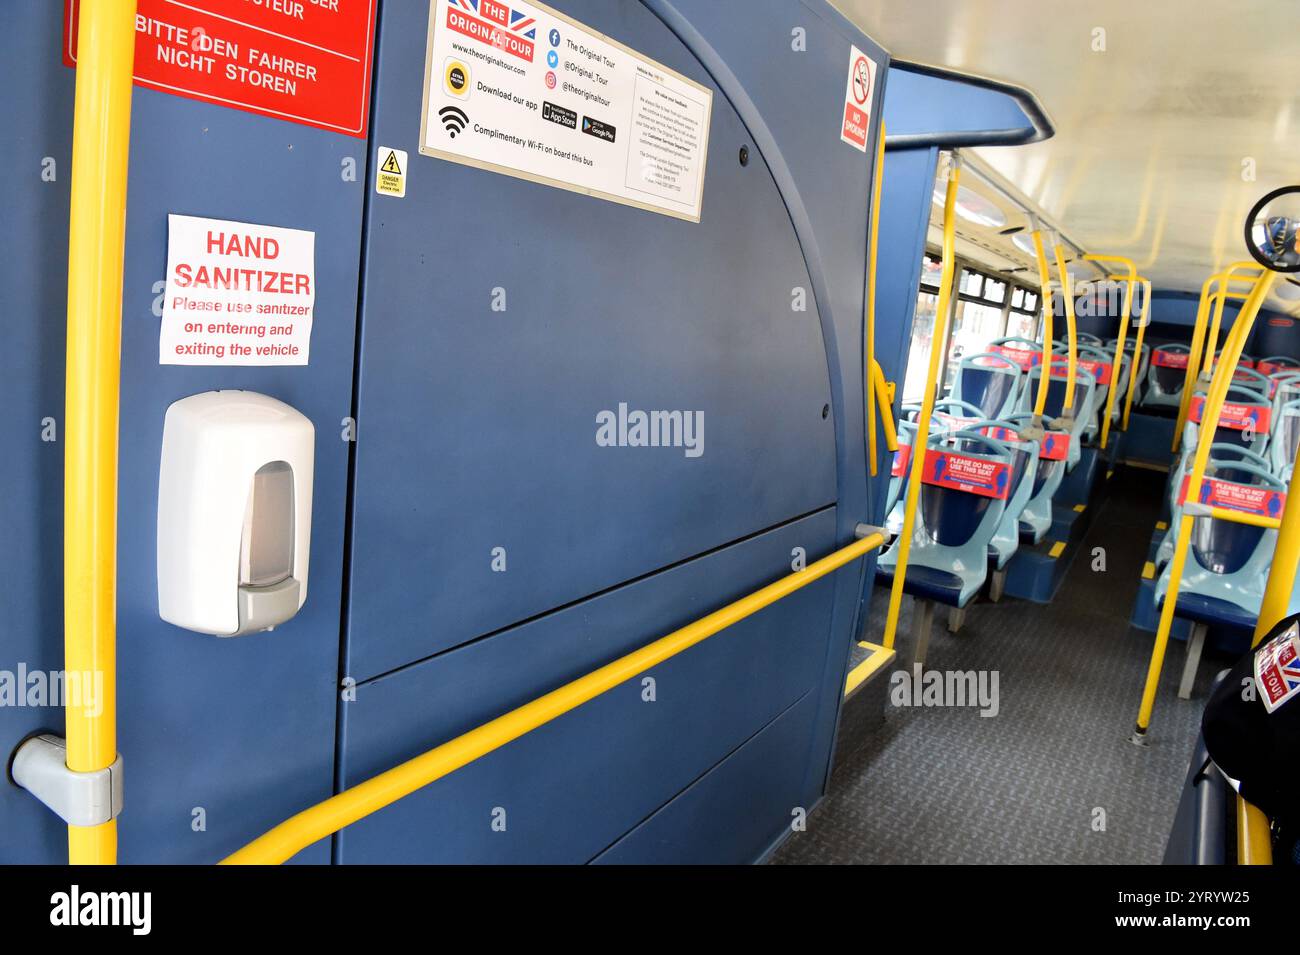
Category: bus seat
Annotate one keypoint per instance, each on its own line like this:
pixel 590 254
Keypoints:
pixel 1036 517
pixel 1168 370
pixel 962 501
pixel 1245 420
pixel 988 380
pixel 1085 385
pixel 1227 565
pixel 1025 352
pixel 901 469
pixel 1144 363
pixel 1101 363
pixel 1024 468
pixel 1222 458
pixel 1285 439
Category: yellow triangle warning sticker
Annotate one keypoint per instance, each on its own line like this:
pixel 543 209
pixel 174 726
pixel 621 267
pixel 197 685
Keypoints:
pixel 390 177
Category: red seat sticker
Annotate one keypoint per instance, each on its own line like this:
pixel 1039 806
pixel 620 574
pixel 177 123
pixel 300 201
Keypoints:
pixel 962 472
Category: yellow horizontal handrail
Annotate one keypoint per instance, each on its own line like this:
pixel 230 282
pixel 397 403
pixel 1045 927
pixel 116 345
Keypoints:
pixel 1244 517
pixel 328 817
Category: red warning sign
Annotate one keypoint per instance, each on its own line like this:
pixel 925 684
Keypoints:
pixel 1235 415
pixel 306 61
pixel 1249 498
pixel 857 100
pixel 1170 359
pixel 975 475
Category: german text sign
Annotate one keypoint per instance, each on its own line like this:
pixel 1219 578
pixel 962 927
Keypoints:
pixel 307 61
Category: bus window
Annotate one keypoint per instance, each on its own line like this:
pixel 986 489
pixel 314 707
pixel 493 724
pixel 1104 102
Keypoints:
pixel 918 355
pixel 1022 321
pixel 977 320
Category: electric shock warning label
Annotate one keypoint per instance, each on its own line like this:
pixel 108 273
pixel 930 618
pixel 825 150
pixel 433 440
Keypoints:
pixel 520 89
pixel 237 294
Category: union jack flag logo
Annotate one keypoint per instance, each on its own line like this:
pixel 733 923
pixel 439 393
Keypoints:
pixel 1277 668
pixel 520 23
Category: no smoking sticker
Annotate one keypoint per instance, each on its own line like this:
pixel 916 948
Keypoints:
pixel 390 177
pixel 857 100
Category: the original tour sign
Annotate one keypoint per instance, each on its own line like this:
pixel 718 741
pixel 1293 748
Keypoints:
pixel 519 89
pixel 237 294
pixel 307 61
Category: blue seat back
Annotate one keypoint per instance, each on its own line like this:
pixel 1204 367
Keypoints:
pixel 989 381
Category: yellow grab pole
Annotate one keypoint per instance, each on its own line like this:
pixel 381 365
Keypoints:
pixel 1194 356
pixel 885 403
pixel 938 344
pixel 1118 363
pixel 328 817
pixel 877 178
pixel 1209 424
pixel 1282 570
pixel 1254 836
pixel 1137 348
pixel 1212 336
pixel 1045 293
pixel 1067 296
pixel 1221 296
pixel 96 239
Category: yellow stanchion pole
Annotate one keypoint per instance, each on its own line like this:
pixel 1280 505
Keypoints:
pixel 1286 555
pixel 1137 348
pixel 878 178
pixel 96 240
pixel 1118 363
pixel 1194 355
pixel 938 344
pixel 1067 299
pixel 1045 293
pixel 1223 373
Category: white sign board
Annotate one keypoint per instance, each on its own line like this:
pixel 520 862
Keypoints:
pixel 520 89
pixel 237 293
pixel 857 100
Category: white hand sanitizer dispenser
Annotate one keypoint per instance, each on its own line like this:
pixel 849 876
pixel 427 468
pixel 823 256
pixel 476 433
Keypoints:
pixel 234 512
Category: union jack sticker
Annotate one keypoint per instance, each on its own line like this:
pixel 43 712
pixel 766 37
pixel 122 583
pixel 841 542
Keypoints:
pixel 1277 668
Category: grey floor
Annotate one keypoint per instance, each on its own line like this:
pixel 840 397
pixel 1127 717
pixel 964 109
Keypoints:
pixel 945 785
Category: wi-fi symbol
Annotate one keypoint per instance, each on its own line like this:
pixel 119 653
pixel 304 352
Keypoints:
pixel 453 119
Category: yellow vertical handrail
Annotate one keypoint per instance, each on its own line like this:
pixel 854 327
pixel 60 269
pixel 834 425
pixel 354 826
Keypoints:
pixel 1254 837
pixel 1286 554
pixel 1045 293
pixel 1137 349
pixel 1067 299
pixel 938 345
pixel 96 249
pixel 1218 391
pixel 1222 294
pixel 1210 296
pixel 1118 363
pixel 884 402
pixel 1194 356
pixel 877 180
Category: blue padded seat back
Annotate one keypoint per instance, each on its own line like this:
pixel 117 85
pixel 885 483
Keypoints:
pixel 1170 380
pixel 1222 547
pixel 986 388
pixel 951 516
